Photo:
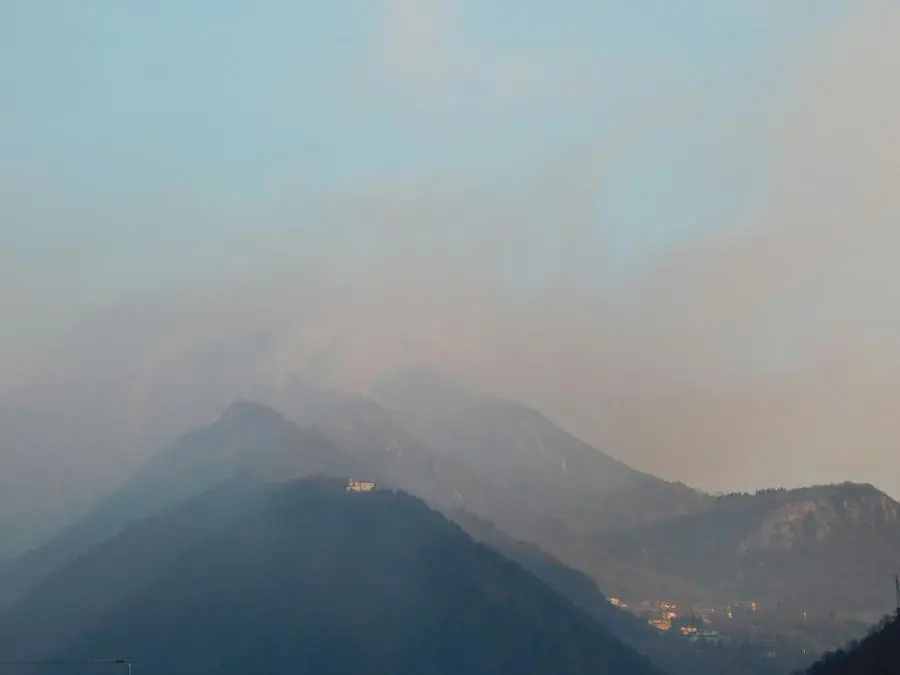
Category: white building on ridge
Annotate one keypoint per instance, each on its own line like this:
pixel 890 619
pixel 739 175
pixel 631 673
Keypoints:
pixel 360 485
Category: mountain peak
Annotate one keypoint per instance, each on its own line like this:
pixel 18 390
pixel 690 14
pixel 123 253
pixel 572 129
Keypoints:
pixel 305 574
pixel 846 496
pixel 243 410
pixel 247 419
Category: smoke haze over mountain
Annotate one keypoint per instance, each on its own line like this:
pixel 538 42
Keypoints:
pixel 692 267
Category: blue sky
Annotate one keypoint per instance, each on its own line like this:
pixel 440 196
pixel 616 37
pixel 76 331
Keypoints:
pixel 138 141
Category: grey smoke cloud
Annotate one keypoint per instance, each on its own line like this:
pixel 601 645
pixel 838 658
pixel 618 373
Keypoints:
pixel 765 352
pixel 768 353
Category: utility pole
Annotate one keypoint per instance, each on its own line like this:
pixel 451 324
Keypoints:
pixel 897 588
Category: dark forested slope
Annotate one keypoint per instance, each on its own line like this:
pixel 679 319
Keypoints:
pixel 305 577
pixel 876 654
pixel 248 439
pixel 352 436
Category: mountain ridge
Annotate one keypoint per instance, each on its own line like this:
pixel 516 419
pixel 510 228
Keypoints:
pixel 878 653
pixel 309 576
pixel 518 448
pixel 248 438
pixel 734 543
pixel 353 435
pixel 720 550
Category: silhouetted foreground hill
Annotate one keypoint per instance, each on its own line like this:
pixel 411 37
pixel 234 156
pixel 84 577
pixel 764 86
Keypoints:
pixel 876 654
pixel 305 577
pixel 353 436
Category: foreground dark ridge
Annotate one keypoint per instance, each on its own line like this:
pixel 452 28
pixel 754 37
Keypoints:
pixel 876 654
pixel 308 577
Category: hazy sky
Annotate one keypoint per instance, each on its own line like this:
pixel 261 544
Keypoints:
pixel 672 226
pixel 141 144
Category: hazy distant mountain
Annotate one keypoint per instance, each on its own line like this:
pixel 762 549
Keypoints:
pixel 585 492
pixel 670 652
pixel 876 654
pixel 822 550
pixel 827 548
pixel 353 436
pixel 361 427
pixel 248 439
pixel 306 577
pixel 519 450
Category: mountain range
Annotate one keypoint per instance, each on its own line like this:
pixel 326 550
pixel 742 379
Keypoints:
pixel 306 577
pixel 518 449
pixel 645 538
pixel 253 442
pixel 575 517
pixel 249 439
pixel 814 549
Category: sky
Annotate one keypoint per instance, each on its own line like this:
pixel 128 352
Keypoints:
pixel 669 227
pixel 140 142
